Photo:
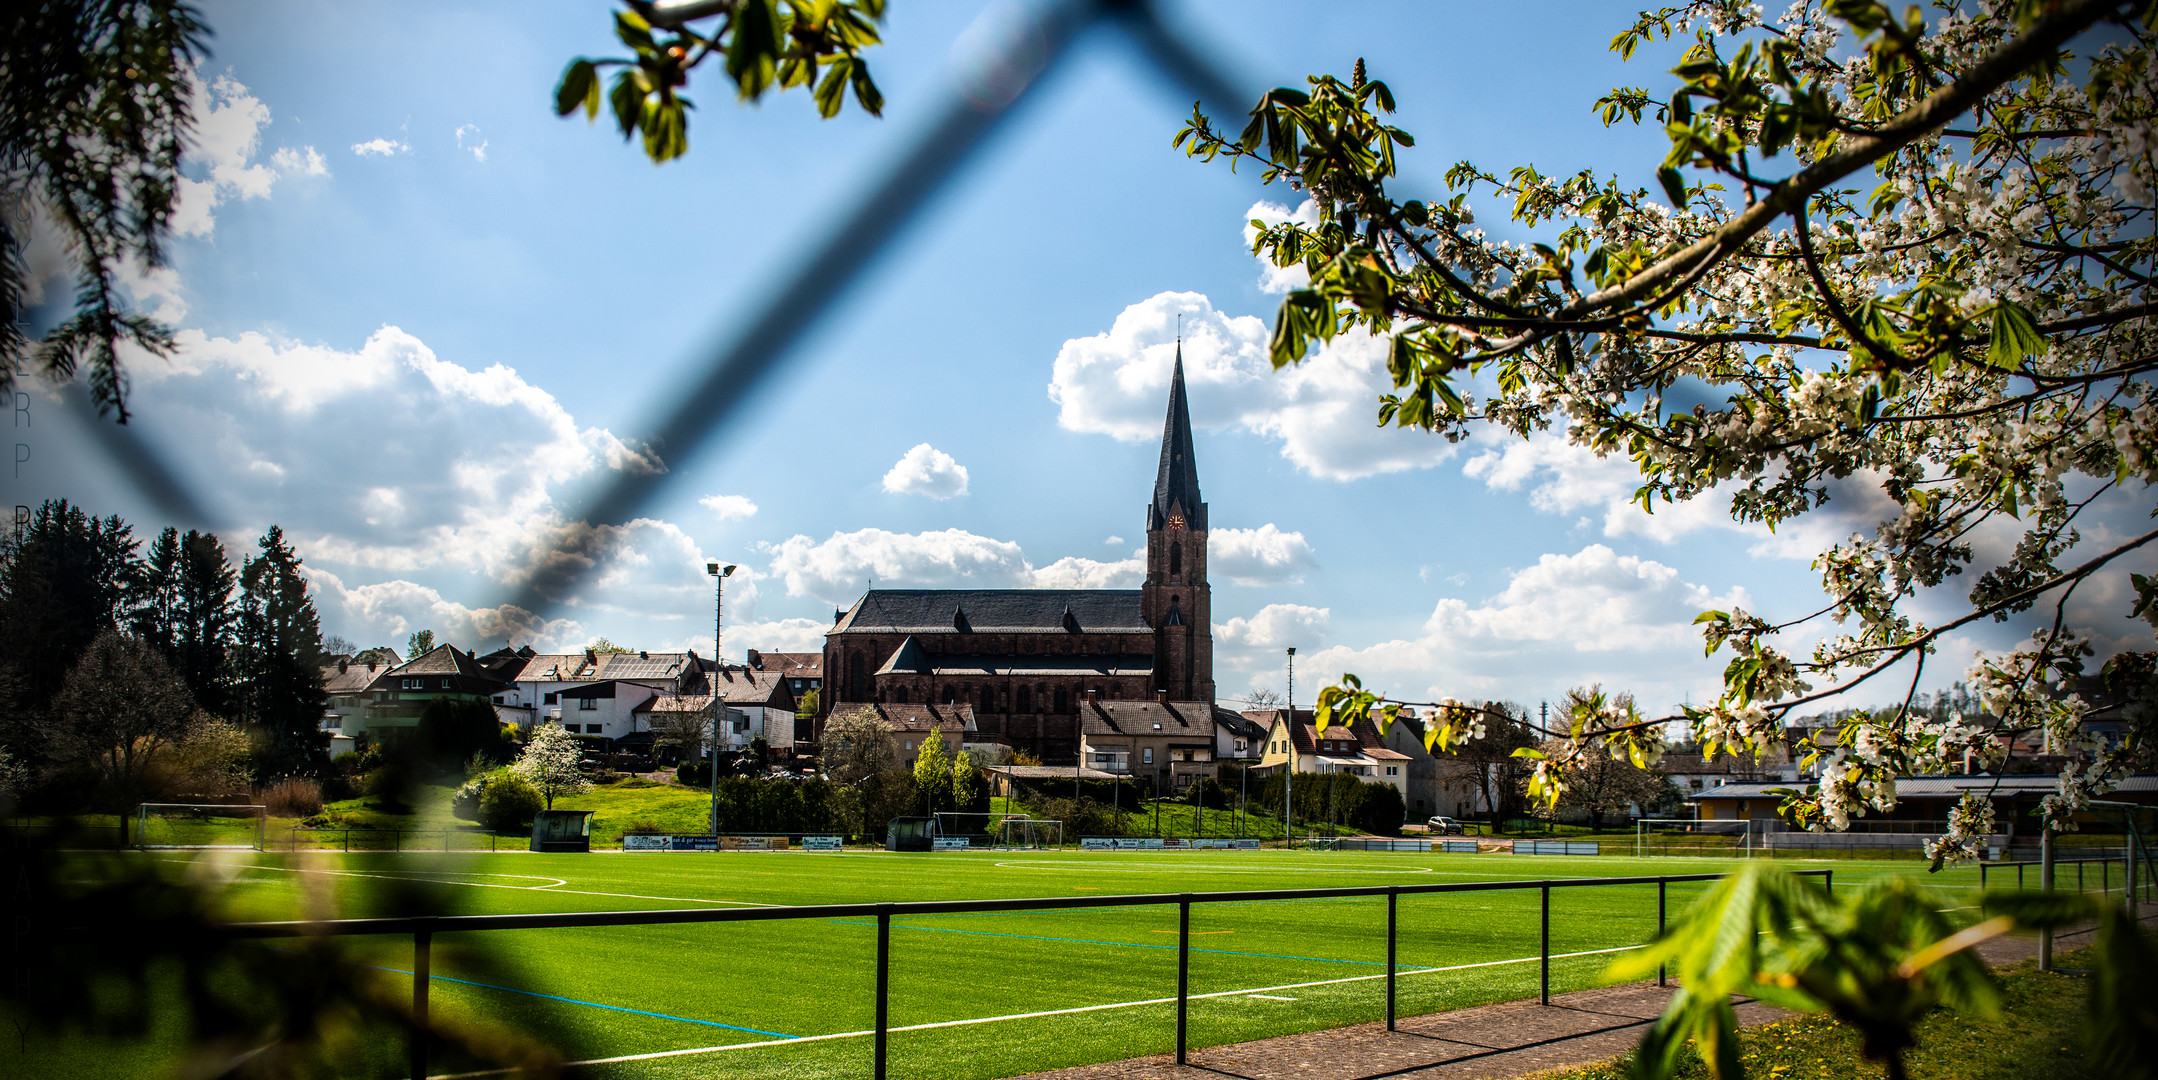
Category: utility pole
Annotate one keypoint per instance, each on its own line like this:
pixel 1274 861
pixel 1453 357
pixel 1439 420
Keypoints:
pixel 1288 761
pixel 719 575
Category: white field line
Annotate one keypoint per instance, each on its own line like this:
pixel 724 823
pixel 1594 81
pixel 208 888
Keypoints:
pixel 1247 992
pixel 518 888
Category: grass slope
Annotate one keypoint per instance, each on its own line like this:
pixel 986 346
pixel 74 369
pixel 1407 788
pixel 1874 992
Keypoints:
pixel 641 990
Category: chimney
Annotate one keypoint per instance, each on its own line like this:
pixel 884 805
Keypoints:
pixel 341 664
pixel 591 657
pixel 756 659
pixel 1161 697
pixel 643 655
pixel 1093 697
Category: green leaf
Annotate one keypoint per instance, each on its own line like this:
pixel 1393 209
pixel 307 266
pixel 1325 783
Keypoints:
pixel 2015 336
pixel 579 86
pixel 1674 186
pixel 832 92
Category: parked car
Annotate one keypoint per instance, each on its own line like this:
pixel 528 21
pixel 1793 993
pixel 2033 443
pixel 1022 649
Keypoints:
pixel 1444 826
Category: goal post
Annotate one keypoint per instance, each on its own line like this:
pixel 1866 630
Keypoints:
pixel 1030 833
pixel 201 826
pixel 1707 837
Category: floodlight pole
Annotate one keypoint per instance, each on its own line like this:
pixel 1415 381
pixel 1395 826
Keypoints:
pixel 719 575
pixel 1288 760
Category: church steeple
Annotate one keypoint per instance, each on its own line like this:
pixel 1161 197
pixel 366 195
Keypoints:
pixel 1176 485
pixel 1176 600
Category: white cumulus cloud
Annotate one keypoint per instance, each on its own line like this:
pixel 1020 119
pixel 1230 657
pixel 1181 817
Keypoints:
pixel 730 507
pixel 838 568
pixel 1279 279
pixel 305 161
pixel 1262 556
pixel 1592 616
pixel 1274 627
pixel 386 612
pixel 470 140
pixel 1322 411
pixel 1074 572
pixel 381 147
pixel 926 470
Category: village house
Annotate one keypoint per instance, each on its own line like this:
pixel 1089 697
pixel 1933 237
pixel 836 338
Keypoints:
pixel 1164 744
pixel 1356 750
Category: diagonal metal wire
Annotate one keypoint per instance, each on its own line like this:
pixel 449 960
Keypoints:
pixel 974 112
pixel 986 97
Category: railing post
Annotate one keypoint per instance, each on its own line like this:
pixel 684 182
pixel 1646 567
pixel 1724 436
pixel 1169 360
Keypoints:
pixel 884 982
pixel 2045 883
pixel 1393 896
pixel 1183 969
pixel 421 948
pixel 1662 886
pixel 1545 951
pixel 1828 883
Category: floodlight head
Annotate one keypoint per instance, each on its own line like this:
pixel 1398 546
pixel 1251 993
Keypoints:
pixel 1292 650
pixel 712 568
pixel 727 571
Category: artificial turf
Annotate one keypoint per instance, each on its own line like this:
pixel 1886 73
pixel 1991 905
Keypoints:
pixel 1272 967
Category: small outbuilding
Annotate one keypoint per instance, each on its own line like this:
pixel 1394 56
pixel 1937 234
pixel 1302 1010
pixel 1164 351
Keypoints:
pixel 562 830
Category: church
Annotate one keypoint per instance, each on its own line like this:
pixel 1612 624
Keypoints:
pixel 1028 662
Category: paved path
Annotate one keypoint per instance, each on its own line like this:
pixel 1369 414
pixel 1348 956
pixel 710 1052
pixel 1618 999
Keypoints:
pixel 1489 1042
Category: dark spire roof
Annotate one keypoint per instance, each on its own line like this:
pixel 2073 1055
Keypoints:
pixel 1178 480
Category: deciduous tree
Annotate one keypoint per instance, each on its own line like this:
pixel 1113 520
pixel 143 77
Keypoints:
pixel 549 763
pixel 119 709
pixel 856 746
pixel 1890 253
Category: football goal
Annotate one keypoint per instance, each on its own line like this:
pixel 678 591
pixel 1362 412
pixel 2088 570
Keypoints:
pixel 1033 833
pixel 1690 836
pixel 200 825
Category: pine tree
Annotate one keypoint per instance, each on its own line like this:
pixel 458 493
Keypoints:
pixel 186 612
pixel 64 579
pixel 280 662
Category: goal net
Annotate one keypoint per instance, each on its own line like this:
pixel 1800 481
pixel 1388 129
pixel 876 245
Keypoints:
pixel 200 825
pixel 1690 836
pixel 1016 832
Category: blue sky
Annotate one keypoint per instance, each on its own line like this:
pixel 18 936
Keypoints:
pixel 421 314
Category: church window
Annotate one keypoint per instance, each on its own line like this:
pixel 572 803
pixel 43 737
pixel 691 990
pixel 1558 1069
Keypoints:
pixel 951 695
pixel 900 695
pixel 1063 700
pixel 857 678
pixel 989 700
pixel 1026 700
pixel 1176 560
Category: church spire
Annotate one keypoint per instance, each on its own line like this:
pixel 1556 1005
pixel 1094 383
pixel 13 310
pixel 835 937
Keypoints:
pixel 1177 484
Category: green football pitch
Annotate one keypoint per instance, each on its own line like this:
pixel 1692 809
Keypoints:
pixel 972 995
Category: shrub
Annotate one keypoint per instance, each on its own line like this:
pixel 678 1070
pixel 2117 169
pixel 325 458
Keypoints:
pixel 647 826
pixel 465 803
pixel 509 803
pixel 294 797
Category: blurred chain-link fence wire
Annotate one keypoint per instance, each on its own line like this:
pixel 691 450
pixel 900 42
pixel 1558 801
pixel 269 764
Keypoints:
pixel 990 88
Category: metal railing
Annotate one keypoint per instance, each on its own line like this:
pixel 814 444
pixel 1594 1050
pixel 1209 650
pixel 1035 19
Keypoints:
pixel 397 838
pixel 2130 868
pixel 424 928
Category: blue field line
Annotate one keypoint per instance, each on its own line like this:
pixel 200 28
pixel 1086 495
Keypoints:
pixel 557 997
pixel 1129 944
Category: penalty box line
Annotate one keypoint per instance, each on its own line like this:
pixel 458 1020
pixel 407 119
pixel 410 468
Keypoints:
pixel 658 1054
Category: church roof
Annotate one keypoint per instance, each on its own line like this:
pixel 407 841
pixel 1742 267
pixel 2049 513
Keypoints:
pixel 1101 664
pixel 1177 483
pixel 994 611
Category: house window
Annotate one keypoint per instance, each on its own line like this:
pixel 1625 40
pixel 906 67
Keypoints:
pixel 1146 756
pixel 498 699
pixel 551 698
pixel 587 704
pixel 595 729
pixel 910 745
pixel 1393 770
